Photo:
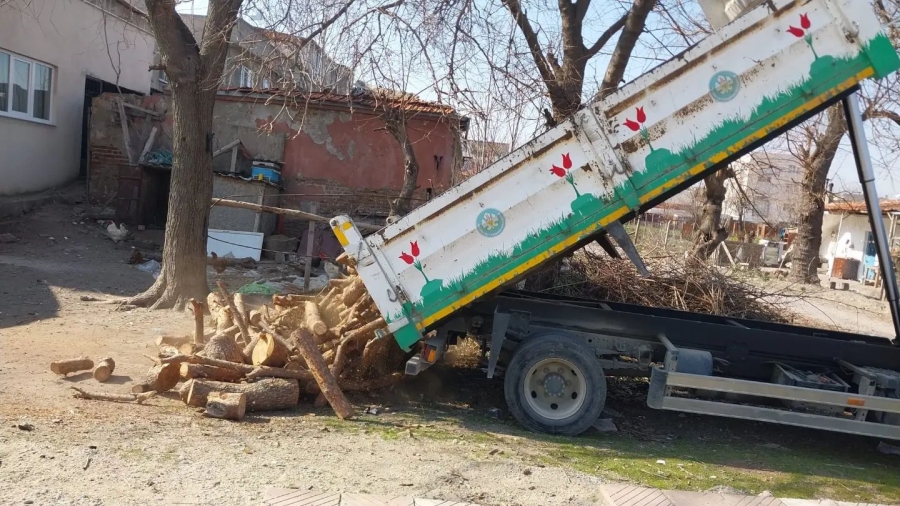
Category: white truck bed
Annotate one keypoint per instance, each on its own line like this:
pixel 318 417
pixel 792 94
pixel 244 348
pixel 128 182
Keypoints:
pixel 640 145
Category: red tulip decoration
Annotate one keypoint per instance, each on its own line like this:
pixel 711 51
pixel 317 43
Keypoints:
pixel 805 25
pixel 412 258
pixel 563 172
pixel 638 126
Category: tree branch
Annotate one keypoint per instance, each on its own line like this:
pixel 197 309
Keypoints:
pixel 534 46
pixel 176 43
pixel 634 24
pixel 220 21
pixel 605 36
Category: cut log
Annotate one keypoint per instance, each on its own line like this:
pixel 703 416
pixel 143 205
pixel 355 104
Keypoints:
pixel 230 406
pixel 136 398
pixel 190 371
pixel 353 292
pixel 104 369
pixel 292 300
pixel 313 320
pixel 241 307
pixel 263 395
pixel 235 314
pixel 319 369
pixel 198 322
pixel 71 365
pixel 248 350
pixel 252 372
pixel 175 341
pixel 221 315
pixel 160 378
pixel 223 347
pixel 269 351
pixel 255 317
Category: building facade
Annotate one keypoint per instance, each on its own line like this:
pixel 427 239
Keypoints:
pixel 55 56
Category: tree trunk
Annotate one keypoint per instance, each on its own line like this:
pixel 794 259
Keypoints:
pixel 805 258
pixel 195 70
pixel 394 118
pixel 263 395
pixel 710 233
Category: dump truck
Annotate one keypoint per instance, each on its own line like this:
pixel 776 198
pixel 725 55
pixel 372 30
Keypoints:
pixel 446 269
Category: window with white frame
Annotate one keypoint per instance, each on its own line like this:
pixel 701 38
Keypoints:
pixel 26 87
pixel 246 77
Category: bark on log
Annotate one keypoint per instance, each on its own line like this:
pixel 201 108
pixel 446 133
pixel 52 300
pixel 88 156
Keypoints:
pixel 252 372
pixel 230 406
pixel 353 292
pixel 104 369
pixel 198 321
pixel 159 379
pixel 269 351
pixel 292 300
pixel 248 350
pixel 221 315
pixel 235 314
pixel 241 307
pixel 97 396
pixel 71 365
pixel 175 341
pixel 313 320
pixel 322 374
pixel 263 395
pixel 223 347
pixel 191 371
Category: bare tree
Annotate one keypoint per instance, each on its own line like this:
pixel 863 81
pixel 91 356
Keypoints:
pixel 194 68
pixel 710 233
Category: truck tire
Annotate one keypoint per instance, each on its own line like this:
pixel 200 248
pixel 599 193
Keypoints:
pixel 554 384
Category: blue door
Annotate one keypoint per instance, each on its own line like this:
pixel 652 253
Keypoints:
pixel 870 258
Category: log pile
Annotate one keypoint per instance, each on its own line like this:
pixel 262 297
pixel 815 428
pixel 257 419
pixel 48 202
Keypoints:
pixel 255 360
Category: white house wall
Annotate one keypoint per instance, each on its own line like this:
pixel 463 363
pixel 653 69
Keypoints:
pixel 850 241
pixel 78 39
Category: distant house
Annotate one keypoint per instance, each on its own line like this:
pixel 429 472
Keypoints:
pixel 265 59
pixel 478 155
pixel 847 234
pixel 333 151
pixel 764 189
pixel 55 57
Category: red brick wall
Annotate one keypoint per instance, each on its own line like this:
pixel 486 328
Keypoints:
pixel 105 161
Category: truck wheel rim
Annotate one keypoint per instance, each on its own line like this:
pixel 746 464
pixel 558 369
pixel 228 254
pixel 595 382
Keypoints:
pixel 555 388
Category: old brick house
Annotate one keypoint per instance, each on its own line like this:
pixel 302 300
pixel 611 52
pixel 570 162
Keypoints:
pixel 336 155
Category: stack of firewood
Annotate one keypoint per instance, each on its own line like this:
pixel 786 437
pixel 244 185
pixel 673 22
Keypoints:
pixel 255 360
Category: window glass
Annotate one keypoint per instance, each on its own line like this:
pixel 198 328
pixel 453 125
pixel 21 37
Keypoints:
pixel 21 76
pixel 42 78
pixel 4 82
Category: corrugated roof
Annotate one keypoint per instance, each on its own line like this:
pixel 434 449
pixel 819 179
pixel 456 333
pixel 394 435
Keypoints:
pixel 859 207
pixel 365 100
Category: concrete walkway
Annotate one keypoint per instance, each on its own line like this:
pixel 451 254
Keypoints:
pixel 630 495
pixel 290 497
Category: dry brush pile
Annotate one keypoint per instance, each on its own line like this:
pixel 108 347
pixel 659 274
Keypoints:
pixel 256 360
pixel 675 284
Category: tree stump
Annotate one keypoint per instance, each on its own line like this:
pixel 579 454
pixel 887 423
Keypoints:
pixel 104 369
pixel 71 365
pixel 263 395
pixel 230 406
pixel 191 371
pixel 159 379
pixel 322 374
pixel 269 351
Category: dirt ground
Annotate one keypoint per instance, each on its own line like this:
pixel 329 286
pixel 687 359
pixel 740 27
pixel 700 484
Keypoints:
pixel 442 435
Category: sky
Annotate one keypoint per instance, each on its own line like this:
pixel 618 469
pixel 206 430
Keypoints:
pixel 843 171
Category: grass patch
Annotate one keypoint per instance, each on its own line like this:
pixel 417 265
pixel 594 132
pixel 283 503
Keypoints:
pixel 797 466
